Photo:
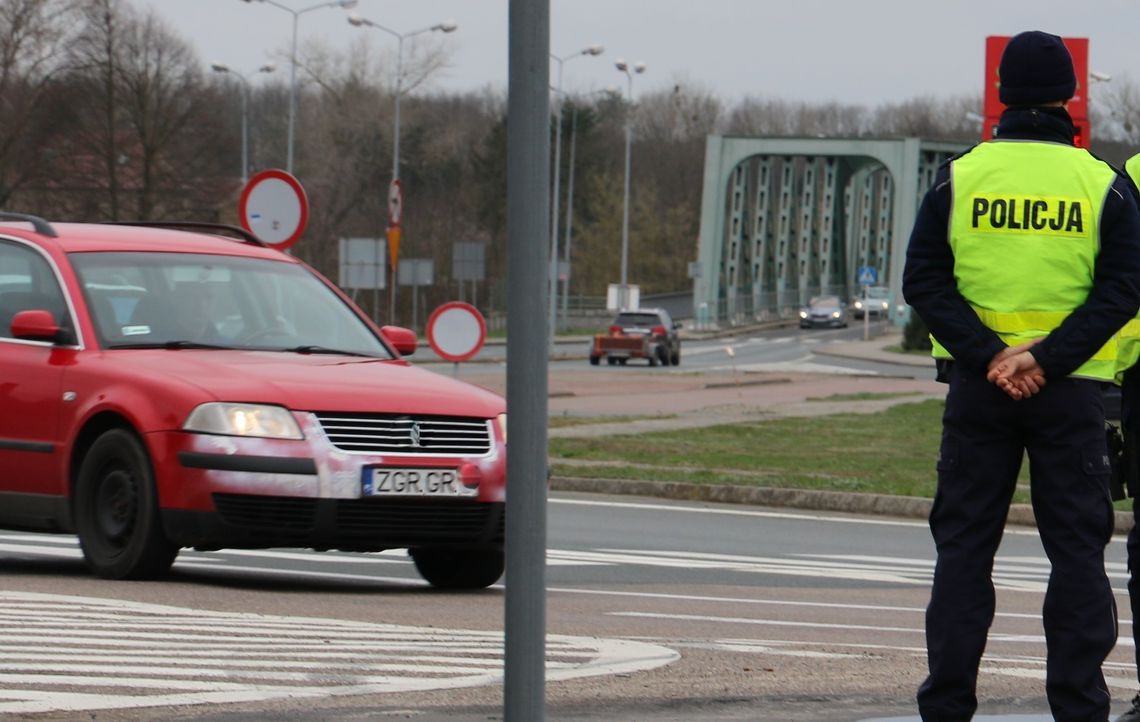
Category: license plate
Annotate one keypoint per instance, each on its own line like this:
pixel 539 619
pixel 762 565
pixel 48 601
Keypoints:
pixel 390 481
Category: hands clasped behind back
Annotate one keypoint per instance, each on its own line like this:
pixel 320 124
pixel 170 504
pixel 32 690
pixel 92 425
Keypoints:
pixel 1016 372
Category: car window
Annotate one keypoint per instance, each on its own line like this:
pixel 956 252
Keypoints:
pixel 155 299
pixel 27 282
pixel 824 301
pixel 638 320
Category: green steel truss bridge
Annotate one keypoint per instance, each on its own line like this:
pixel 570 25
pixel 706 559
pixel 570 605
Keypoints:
pixel 785 219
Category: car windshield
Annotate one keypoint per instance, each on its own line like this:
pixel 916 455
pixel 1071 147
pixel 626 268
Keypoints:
pixel 637 320
pixel 186 300
pixel 824 301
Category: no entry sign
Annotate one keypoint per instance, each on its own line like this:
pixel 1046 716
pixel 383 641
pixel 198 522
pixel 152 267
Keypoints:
pixel 274 208
pixel 456 331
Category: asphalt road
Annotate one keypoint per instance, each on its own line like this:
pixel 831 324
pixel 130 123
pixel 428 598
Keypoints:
pixel 752 351
pixel 656 609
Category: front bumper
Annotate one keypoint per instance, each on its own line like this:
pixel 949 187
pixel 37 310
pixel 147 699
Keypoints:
pixel 361 525
pixel 224 491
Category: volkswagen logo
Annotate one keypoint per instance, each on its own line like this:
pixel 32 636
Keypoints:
pixel 414 433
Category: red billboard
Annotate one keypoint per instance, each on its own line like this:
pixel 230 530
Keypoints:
pixel 1078 106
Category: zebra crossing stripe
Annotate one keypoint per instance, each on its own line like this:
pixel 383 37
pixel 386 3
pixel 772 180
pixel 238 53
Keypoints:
pixel 71 654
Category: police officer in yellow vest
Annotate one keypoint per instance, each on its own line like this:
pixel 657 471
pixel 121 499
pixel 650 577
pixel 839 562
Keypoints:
pixel 1024 262
pixel 1129 373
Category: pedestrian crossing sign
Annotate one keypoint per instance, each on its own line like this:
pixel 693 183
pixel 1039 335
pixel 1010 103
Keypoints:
pixel 867 276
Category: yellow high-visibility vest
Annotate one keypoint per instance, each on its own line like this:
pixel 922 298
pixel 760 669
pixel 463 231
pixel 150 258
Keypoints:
pixel 1128 347
pixel 1132 168
pixel 1025 233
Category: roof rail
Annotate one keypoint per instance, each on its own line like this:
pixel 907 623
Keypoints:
pixel 39 224
pixel 221 229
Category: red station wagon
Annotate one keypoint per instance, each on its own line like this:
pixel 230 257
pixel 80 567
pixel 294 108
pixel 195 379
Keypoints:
pixel 182 385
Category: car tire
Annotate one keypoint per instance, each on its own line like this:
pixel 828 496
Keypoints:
pixel 611 360
pixel 662 356
pixel 116 511
pixel 459 568
pixel 621 361
pixel 594 360
pixel 676 358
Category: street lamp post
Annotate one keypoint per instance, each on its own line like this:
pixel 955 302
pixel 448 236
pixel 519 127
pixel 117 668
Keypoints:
pixel 623 67
pixel 223 68
pixel 594 49
pixel 570 205
pixel 346 4
pixel 447 26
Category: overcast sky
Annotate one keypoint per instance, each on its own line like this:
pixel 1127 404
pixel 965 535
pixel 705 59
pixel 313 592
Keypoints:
pixel 853 51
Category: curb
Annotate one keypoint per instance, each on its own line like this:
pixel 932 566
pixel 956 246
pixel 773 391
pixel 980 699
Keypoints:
pixel 911 507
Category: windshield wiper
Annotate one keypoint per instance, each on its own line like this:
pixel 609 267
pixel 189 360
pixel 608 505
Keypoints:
pixel 324 349
pixel 173 345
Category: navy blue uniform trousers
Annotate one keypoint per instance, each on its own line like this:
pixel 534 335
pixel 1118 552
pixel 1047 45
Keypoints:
pixel 985 436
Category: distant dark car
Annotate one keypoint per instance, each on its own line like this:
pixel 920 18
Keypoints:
pixel 824 312
pixel 874 302
pixel 647 333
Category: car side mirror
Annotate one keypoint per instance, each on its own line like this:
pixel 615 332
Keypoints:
pixel 676 325
pixel 36 325
pixel 404 339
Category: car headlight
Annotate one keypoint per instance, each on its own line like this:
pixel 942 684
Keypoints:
pixel 502 419
pixel 803 314
pixel 836 314
pixel 233 419
pixel 858 304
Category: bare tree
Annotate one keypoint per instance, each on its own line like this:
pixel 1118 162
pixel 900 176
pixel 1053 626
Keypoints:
pixel 33 35
pixel 1121 99
pixel 160 81
pixel 138 90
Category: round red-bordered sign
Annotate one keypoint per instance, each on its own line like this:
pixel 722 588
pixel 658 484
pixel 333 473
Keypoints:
pixel 456 331
pixel 274 208
pixel 395 202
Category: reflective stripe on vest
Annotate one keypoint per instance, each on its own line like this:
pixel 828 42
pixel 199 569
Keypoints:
pixel 1129 348
pixel 1024 230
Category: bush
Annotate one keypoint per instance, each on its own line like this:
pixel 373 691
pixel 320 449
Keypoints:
pixel 916 336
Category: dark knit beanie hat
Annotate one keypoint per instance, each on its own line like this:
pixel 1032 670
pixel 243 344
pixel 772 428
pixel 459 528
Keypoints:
pixel 1035 68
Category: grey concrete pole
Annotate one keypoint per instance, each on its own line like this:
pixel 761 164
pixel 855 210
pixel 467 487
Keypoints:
pixel 552 296
pixel 623 301
pixel 244 131
pixel 569 217
pixel 292 93
pixel 528 199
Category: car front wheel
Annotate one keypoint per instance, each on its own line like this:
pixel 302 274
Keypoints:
pixel 116 511
pixel 459 568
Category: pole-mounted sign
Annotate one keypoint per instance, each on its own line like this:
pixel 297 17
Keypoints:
pixel 395 215
pixel 456 331
pixel 274 208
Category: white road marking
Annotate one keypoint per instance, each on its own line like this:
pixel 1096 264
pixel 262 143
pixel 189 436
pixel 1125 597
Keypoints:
pixel 805 365
pixel 1025 574
pixel 770 622
pixel 748 512
pixel 128 655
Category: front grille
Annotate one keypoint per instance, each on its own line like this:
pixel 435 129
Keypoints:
pixel 420 521
pixel 267 512
pixel 400 522
pixel 424 435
